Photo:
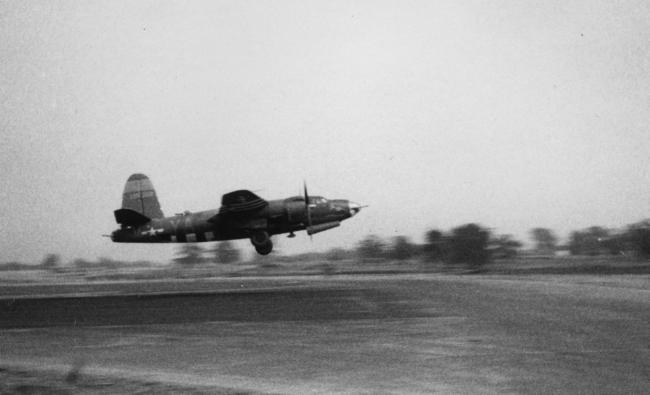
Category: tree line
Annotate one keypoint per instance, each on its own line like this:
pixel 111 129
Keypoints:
pixel 634 239
pixel 470 244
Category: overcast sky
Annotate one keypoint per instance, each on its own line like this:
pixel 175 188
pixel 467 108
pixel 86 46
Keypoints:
pixel 512 114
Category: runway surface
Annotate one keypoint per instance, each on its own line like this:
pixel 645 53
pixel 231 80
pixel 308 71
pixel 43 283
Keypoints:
pixel 409 334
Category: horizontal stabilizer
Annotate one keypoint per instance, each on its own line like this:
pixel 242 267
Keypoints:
pixel 130 217
pixel 241 201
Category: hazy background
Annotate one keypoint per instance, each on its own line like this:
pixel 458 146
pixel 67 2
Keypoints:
pixel 507 113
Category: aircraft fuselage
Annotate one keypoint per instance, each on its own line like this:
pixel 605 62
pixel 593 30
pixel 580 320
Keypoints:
pixel 242 215
pixel 280 216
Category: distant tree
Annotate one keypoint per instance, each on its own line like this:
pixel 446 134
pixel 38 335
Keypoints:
pixel 371 247
pixel 434 247
pixel 594 240
pixel 545 240
pixel 642 239
pixel 402 249
pixel 504 246
pixel 576 242
pixel 469 244
pixel 614 244
pixel 638 236
pixel 51 262
pixel 225 252
pixel 189 254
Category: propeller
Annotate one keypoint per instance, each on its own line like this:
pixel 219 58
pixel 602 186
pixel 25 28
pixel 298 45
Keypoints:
pixel 307 207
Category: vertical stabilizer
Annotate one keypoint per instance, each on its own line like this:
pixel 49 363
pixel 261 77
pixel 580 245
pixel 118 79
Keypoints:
pixel 140 196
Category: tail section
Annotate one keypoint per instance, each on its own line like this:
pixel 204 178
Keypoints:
pixel 140 196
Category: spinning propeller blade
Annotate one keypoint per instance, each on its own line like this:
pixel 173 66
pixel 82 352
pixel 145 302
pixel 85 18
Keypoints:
pixel 307 208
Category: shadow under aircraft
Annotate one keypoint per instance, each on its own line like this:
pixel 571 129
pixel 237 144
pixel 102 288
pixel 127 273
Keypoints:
pixel 242 215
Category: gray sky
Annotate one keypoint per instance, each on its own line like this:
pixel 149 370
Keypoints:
pixel 511 114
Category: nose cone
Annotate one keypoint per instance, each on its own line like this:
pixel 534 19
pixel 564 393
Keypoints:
pixel 354 208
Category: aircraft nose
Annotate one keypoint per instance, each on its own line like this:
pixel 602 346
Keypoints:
pixel 354 208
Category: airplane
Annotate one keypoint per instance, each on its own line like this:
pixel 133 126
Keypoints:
pixel 242 215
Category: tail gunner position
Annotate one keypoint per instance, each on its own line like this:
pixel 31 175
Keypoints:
pixel 242 215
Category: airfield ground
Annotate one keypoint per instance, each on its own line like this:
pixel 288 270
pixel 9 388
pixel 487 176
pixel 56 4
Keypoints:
pixel 415 333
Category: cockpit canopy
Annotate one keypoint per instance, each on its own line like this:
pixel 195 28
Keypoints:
pixel 317 200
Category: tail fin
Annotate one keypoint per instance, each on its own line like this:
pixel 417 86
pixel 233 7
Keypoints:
pixel 140 196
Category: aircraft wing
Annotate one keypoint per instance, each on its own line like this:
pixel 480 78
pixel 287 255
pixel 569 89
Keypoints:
pixel 241 201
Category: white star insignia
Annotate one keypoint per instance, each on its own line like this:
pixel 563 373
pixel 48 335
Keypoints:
pixel 152 231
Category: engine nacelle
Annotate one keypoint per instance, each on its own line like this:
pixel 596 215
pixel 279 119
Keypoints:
pixel 322 227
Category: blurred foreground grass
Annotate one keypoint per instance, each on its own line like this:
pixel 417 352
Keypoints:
pixel 273 266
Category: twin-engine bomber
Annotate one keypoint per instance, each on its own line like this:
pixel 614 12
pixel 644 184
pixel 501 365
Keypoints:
pixel 242 215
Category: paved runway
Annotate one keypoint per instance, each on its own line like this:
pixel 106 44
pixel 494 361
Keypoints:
pixel 434 334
